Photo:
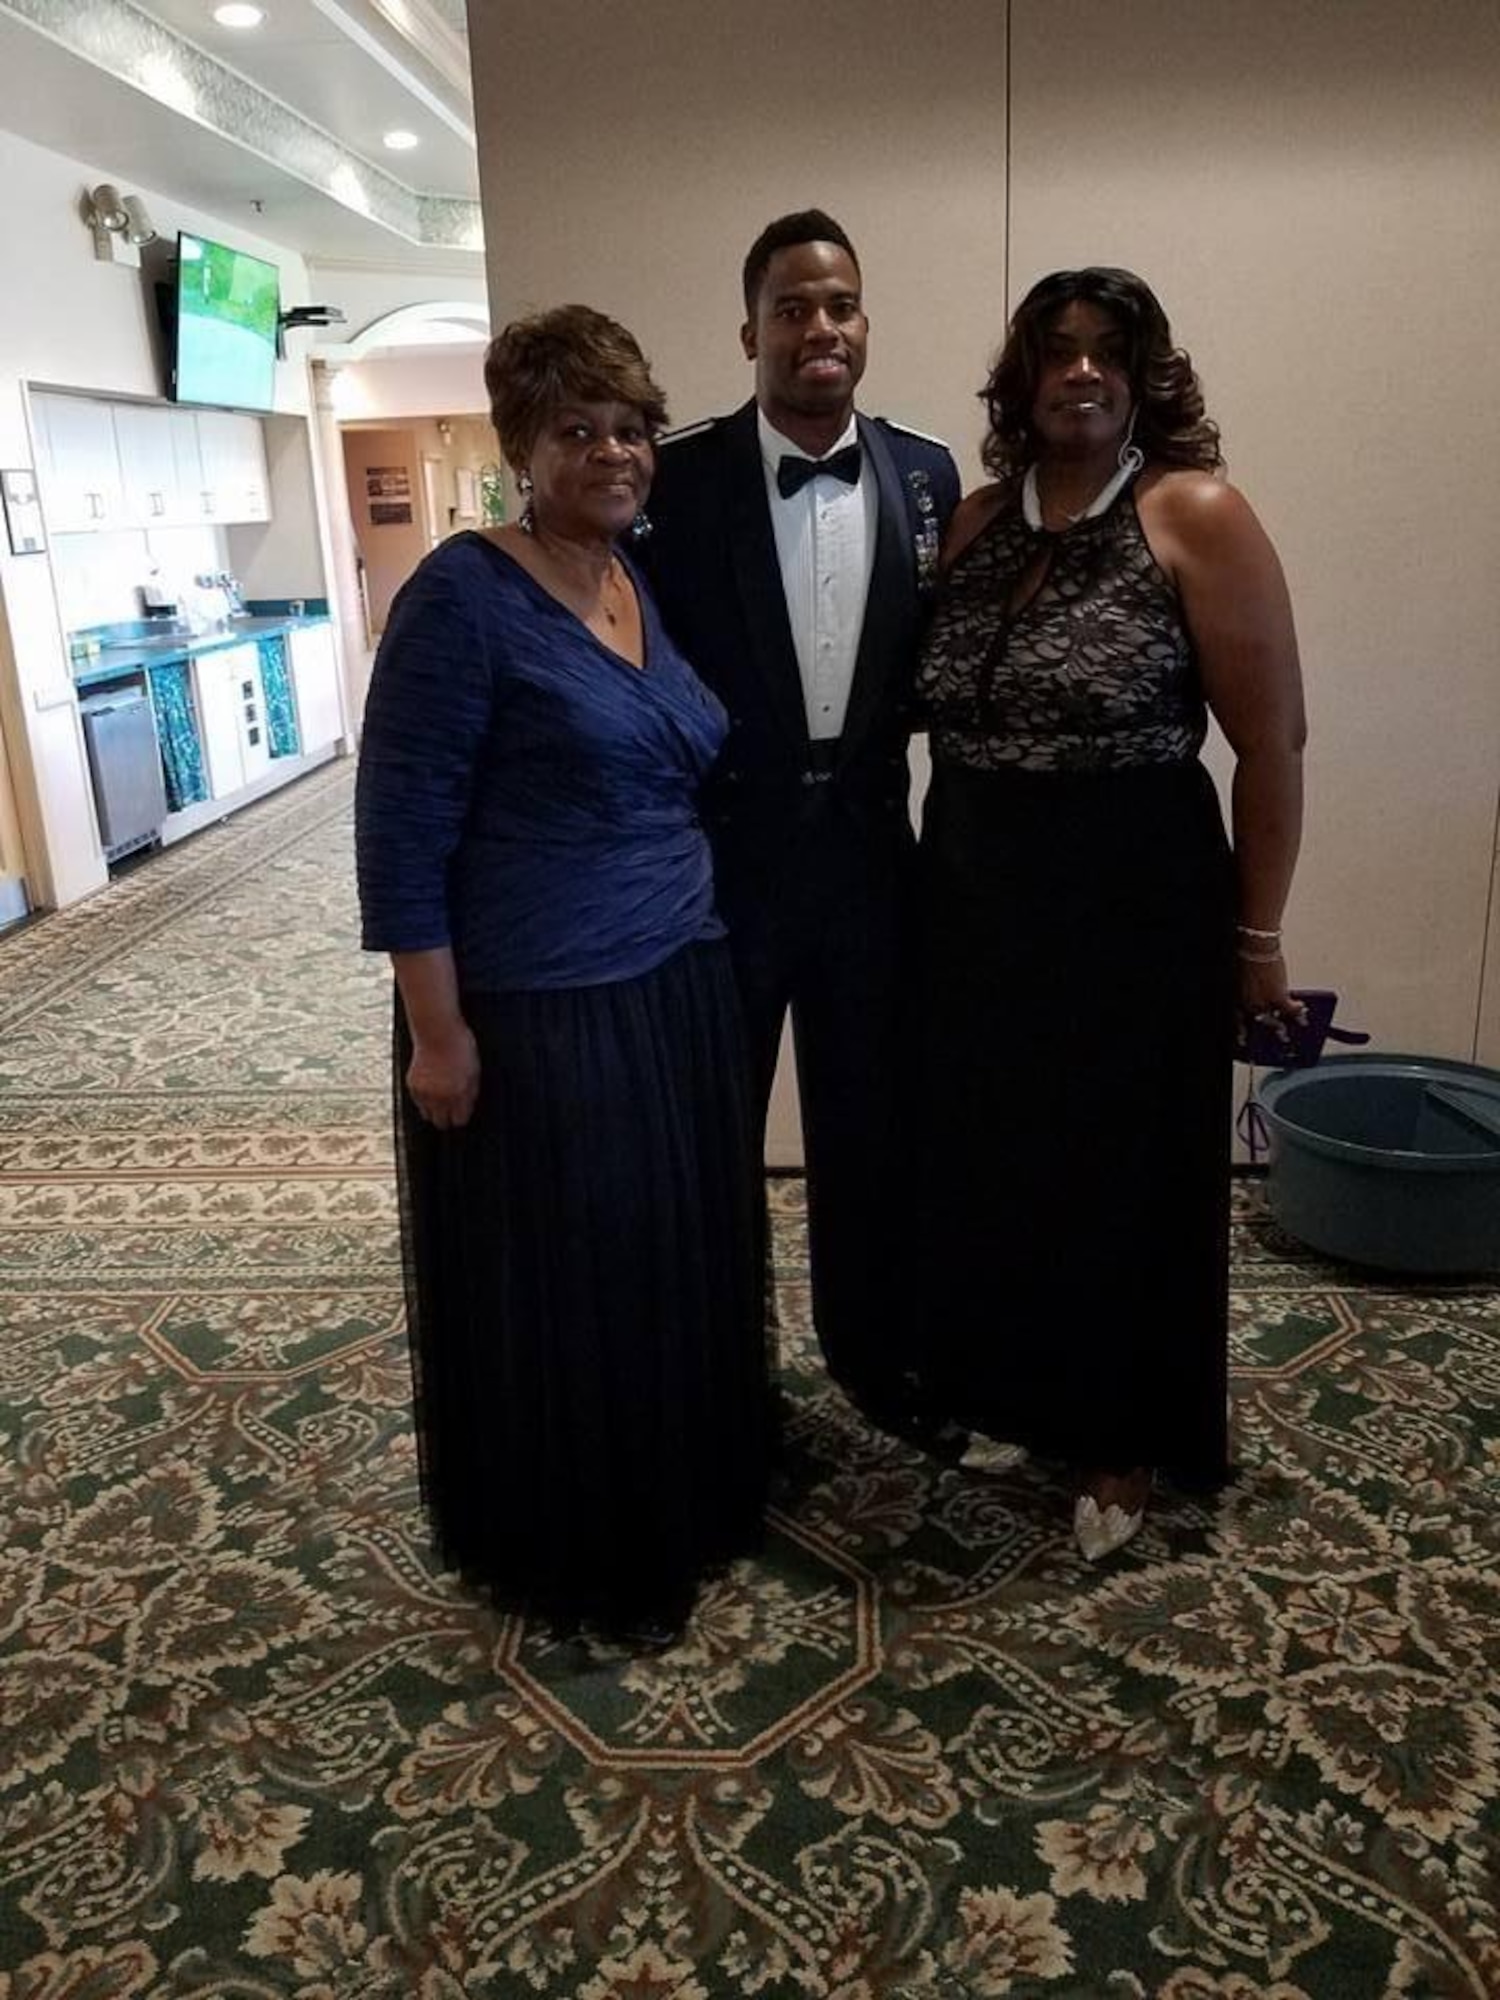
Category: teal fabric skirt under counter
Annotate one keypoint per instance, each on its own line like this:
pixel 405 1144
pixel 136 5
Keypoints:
pixel 177 734
pixel 281 715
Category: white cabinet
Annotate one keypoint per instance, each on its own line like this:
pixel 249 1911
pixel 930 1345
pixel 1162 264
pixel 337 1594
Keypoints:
pixel 159 464
pixel 231 717
pixel 315 686
pixel 79 470
pixel 232 461
pixel 147 465
pixel 250 693
pixel 218 722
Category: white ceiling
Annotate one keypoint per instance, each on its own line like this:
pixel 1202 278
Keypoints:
pixel 341 74
pixel 307 56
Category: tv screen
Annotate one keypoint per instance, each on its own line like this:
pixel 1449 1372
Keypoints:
pixel 224 348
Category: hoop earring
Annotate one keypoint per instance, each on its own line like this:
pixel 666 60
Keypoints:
pixel 527 522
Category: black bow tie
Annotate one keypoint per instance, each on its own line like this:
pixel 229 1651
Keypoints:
pixel 792 474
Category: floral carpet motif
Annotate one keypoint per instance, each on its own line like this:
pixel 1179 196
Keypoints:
pixel 252 1745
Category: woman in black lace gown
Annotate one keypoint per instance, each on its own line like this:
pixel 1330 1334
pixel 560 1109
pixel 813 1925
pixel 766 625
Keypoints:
pixel 1087 929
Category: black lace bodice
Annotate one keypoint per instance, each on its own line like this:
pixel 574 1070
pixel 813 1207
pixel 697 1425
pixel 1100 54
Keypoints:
pixel 1095 671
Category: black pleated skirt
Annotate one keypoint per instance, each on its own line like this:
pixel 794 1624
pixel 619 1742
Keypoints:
pixel 585 1273
pixel 1076 991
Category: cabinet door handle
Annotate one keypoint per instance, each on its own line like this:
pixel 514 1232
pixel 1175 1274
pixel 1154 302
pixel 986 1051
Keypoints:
pixel 158 504
pixel 208 502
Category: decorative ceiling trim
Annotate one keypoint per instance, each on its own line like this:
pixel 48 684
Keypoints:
pixel 431 32
pixel 354 30
pixel 118 38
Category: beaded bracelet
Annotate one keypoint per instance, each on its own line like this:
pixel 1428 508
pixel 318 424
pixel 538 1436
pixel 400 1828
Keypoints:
pixel 1266 937
pixel 1257 957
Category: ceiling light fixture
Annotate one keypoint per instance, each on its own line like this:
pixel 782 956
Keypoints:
pixel 239 14
pixel 117 220
pixel 401 142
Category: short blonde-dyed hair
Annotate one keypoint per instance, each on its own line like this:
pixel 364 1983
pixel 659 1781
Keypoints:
pixel 570 354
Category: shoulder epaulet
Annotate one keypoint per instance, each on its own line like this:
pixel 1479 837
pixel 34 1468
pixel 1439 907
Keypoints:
pixel 687 431
pixel 906 430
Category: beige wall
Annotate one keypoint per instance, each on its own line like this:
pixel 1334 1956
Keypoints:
pixel 629 158
pixel 1314 191
pixel 1320 211
pixel 432 384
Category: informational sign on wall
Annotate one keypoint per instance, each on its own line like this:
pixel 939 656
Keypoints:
pixel 388 491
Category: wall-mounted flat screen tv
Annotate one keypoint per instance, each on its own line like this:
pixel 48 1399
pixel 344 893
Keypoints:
pixel 224 342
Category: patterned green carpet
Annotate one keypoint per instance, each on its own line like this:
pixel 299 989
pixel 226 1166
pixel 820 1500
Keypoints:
pixel 252 1746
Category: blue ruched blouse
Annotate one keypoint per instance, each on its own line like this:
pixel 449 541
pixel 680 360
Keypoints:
pixel 524 794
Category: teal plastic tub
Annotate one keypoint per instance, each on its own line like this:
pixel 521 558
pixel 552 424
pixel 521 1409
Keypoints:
pixel 1388 1160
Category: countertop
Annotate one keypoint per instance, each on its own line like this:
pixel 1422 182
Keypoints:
pixel 152 649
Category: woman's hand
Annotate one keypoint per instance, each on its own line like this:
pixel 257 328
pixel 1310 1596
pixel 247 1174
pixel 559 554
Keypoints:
pixel 1264 994
pixel 443 1078
pixel 443 1074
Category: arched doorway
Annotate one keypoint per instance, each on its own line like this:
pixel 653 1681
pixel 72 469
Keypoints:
pixel 405 441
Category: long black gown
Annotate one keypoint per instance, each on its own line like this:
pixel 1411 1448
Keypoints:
pixel 1075 1009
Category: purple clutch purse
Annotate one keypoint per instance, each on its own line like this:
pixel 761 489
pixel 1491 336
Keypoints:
pixel 1282 1044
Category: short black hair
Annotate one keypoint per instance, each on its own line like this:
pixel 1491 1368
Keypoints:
pixel 807 225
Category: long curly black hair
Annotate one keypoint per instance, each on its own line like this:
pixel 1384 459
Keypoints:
pixel 1170 427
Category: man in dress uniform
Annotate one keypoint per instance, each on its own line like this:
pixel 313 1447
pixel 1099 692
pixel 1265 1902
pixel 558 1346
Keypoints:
pixel 794 545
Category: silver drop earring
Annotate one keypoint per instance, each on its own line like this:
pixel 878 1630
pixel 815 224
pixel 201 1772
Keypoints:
pixel 1131 457
pixel 640 527
pixel 527 523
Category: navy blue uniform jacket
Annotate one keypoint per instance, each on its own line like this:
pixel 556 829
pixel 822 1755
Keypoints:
pixel 712 562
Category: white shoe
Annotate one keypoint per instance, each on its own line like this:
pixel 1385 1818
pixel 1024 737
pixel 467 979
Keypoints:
pixel 1099 1534
pixel 988 1455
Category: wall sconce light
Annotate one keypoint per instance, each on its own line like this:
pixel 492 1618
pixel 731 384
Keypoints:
pixel 118 222
pixel 445 431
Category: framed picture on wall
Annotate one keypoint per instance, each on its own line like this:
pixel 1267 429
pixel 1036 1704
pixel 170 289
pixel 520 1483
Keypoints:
pixel 23 513
pixel 387 482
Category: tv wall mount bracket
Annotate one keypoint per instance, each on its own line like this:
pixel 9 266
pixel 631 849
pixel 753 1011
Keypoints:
pixel 296 316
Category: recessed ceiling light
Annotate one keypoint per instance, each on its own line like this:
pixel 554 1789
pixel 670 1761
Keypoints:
pixel 239 14
pixel 401 142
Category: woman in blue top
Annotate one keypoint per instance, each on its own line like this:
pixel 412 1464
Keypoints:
pixel 582 1250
